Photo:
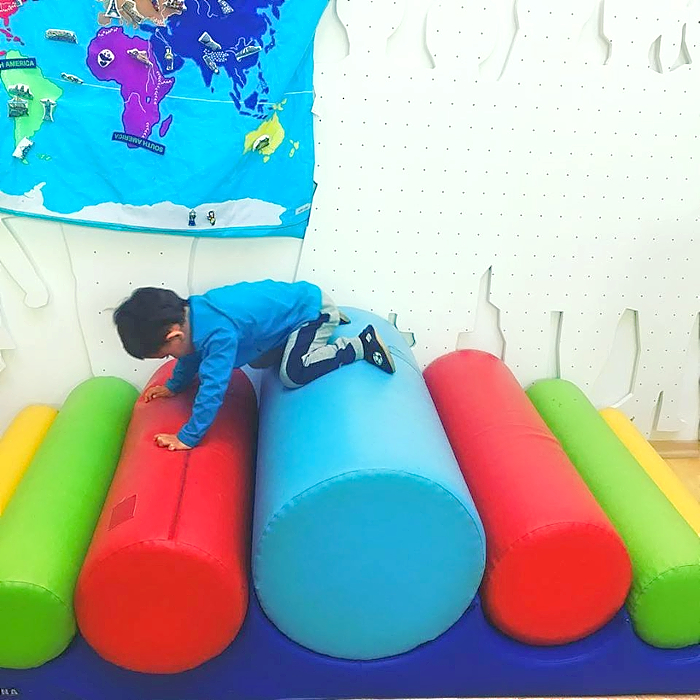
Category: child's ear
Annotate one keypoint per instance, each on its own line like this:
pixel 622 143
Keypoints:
pixel 175 332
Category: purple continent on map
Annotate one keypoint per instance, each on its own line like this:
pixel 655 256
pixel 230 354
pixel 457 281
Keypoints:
pixel 141 81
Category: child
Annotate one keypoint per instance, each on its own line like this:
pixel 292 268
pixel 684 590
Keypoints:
pixel 248 323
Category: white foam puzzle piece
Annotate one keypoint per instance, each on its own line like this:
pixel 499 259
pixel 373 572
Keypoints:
pixel 370 23
pixel 19 265
pixel 49 358
pixel 407 46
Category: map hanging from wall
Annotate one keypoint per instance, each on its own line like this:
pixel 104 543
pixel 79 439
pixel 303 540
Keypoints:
pixel 177 116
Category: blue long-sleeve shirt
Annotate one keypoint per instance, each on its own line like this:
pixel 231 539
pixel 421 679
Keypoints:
pixel 230 327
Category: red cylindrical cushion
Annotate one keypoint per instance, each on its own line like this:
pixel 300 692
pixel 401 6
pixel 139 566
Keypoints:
pixel 556 568
pixel 164 587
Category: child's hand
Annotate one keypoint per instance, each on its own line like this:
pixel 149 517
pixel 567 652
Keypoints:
pixel 171 442
pixel 157 392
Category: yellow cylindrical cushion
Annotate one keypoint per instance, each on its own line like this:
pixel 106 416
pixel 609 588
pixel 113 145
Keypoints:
pixel 18 445
pixel 662 475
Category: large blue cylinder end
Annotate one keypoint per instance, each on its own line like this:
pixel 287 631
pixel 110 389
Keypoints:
pixel 366 540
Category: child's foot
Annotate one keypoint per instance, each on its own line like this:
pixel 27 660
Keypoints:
pixel 376 352
pixel 344 319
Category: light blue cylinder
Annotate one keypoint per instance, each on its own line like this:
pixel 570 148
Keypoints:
pixel 366 540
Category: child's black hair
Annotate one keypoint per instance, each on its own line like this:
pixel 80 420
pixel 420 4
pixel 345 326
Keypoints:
pixel 145 318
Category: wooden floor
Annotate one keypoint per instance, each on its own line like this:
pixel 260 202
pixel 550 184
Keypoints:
pixel 689 472
pixel 684 458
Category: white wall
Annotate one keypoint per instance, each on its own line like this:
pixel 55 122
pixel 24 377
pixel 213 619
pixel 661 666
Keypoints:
pixel 483 174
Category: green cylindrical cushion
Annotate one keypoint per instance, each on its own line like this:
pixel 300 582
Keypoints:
pixel 47 527
pixel 664 601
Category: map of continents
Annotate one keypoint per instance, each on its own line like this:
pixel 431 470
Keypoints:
pixel 186 75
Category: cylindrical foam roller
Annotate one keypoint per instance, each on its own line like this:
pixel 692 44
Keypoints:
pixel 19 445
pixel 652 463
pixel 164 586
pixel 366 540
pixel 556 569
pixel 46 528
pixel 664 602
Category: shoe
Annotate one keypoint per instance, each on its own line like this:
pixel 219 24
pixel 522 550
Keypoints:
pixel 344 319
pixel 376 352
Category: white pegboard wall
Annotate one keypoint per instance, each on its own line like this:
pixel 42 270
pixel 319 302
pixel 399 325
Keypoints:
pixel 108 269
pixel 482 173
pixel 575 181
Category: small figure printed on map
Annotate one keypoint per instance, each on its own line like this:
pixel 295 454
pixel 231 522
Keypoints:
pixel 210 61
pixel 206 40
pixel 17 107
pixel 261 142
pixel 140 56
pixel 169 59
pixel 22 148
pixel 176 5
pixel 72 78
pixel 112 10
pixel 105 58
pixel 49 106
pixel 62 35
pixel 130 11
pixel 214 59
pixel 193 218
pixel 247 51
pixel 21 90
pixel 212 218
pixel 156 5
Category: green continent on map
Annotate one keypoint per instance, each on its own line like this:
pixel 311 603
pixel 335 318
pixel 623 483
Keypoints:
pixel 39 87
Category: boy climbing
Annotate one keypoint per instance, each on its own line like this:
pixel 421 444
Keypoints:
pixel 254 323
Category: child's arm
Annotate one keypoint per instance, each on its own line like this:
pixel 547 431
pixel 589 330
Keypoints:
pixel 183 374
pixel 214 377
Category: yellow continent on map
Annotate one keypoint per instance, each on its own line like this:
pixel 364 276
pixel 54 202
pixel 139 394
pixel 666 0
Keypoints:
pixel 266 139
